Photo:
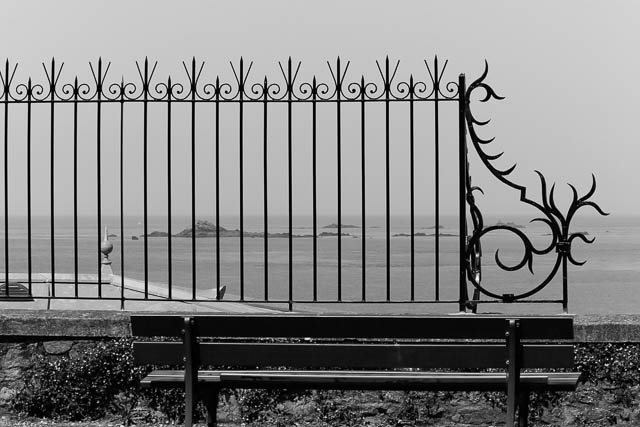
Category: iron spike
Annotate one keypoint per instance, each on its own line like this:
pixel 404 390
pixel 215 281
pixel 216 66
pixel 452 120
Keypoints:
pixel 386 70
pixel 53 72
pixel 435 63
pixel 193 71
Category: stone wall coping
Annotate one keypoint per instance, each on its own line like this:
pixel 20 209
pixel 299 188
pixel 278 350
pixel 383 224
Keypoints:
pixel 60 324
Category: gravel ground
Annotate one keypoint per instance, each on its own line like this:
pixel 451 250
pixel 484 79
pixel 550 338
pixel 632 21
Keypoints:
pixel 13 421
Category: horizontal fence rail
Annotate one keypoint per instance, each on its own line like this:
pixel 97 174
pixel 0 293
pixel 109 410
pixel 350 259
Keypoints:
pixel 360 149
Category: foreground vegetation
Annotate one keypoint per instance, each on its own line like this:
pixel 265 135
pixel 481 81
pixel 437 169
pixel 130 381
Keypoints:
pixel 103 385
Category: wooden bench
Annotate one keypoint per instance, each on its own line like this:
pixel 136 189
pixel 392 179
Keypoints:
pixel 357 352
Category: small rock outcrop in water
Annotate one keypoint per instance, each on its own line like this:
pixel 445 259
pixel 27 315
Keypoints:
pixel 204 229
pixel 509 224
pixel 334 225
pixel 157 234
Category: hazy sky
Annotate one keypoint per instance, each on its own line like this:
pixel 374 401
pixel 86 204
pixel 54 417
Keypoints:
pixel 568 69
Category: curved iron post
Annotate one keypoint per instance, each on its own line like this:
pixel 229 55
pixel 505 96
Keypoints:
pixel 558 222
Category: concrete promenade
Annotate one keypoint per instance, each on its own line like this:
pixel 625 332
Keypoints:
pixel 111 291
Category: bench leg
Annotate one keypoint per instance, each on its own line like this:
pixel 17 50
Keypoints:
pixel 513 371
pixel 523 409
pixel 512 403
pixel 189 407
pixel 211 403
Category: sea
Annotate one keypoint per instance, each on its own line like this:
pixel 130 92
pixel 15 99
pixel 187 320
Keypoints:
pixel 609 281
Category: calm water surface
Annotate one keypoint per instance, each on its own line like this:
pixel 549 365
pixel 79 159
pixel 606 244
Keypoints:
pixel 607 283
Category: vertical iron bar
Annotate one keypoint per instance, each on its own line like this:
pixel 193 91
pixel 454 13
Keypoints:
pixel 565 273
pixel 339 172
pixel 241 167
pixel 193 179
pixel 411 189
pixel 462 166
pixel 387 176
pixel 75 187
pixel 51 178
pixel 122 195
pixel 315 189
pixel 217 188
pixel 29 255
pixel 437 178
pixel 6 180
pixel 98 174
pixel 264 193
pixel 565 287
pixel 290 181
pixel 169 231
pixel 144 149
pixel 363 183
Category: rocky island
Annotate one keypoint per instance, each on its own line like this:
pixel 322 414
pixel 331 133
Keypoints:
pixel 508 224
pixel 206 229
pixel 334 225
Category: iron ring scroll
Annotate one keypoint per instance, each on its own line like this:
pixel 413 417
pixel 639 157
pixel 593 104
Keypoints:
pixel 148 88
pixel 550 215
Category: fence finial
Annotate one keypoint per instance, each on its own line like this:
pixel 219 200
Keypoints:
pixel 106 249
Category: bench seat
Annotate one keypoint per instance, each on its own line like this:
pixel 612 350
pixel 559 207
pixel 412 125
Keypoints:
pixel 365 380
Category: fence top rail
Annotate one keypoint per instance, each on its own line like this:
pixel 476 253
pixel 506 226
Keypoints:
pixel 429 86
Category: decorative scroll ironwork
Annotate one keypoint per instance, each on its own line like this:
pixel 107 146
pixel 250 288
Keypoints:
pixel 557 221
pixel 194 89
pixel 337 88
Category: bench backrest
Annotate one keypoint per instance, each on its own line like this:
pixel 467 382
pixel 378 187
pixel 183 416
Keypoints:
pixel 344 341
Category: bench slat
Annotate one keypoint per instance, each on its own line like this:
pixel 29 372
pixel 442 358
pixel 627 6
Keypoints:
pixel 372 380
pixel 372 356
pixel 360 326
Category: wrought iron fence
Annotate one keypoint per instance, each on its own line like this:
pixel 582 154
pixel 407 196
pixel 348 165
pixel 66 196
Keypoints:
pixel 264 97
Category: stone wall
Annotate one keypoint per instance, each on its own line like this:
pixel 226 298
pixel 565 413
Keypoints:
pixel 26 333
pixel 56 334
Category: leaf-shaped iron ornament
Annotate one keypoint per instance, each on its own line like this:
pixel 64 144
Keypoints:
pixel 551 216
